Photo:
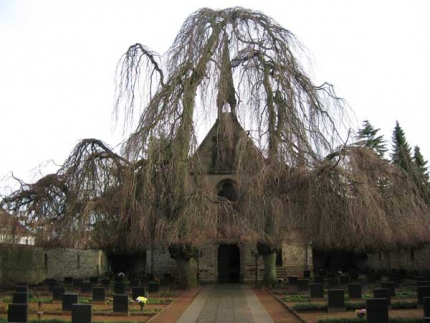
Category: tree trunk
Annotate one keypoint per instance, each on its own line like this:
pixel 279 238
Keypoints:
pixel 186 276
pixel 269 279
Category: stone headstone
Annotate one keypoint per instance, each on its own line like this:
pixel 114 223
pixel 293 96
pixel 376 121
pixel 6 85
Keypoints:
pixel 292 280
pixel 391 286
pixel 422 291
pixel 306 273
pixel 77 282
pixel 134 282
pixel 120 304
pixel 82 313
pixel 99 295
pixel 94 280
pixel 382 293
pixel 86 287
pixel 57 293
pixel 377 310
pixel 68 300
pixel 153 287
pixel 68 281
pixel 119 279
pixel 426 306
pixel 17 313
pixel 119 288
pixel 137 291
pixel 21 289
pixel 319 280
pixel 316 290
pixel 20 298
pixel 333 283
pixel 336 300
pixel 105 282
pixel 354 290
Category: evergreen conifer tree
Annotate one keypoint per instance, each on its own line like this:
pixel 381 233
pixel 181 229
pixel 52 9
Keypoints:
pixel 401 155
pixel 421 165
pixel 367 137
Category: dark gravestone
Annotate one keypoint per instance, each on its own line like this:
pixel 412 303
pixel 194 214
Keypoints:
pixel 319 280
pixel 134 282
pixel 391 286
pixel 422 291
pixel 336 300
pixel 317 290
pixel 354 290
pixel 82 313
pixel 68 300
pixel 57 293
pixel 21 289
pixel 105 282
pixel 306 273
pixel 344 279
pixel 333 283
pixel 382 293
pixel 68 281
pixel 120 304
pixel 51 285
pixel 86 287
pixel 426 306
pixel 137 291
pixel 20 298
pixel 119 279
pixel 377 310
pixel 77 282
pixel 17 313
pixel 94 280
pixel 292 280
pixel 119 288
pixel 99 295
pixel 423 283
pixel 153 287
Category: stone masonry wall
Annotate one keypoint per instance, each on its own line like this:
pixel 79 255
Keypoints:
pixel 410 260
pixel 296 257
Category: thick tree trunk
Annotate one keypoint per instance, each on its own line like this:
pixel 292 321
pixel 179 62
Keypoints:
pixel 186 276
pixel 270 279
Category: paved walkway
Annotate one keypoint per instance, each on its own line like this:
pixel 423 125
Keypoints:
pixel 226 304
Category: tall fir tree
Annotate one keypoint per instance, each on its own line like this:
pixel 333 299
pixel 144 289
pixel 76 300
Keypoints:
pixel 367 137
pixel 401 155
pixel 421 165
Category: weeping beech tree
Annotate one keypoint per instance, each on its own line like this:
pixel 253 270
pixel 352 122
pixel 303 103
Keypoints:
pixel 291 176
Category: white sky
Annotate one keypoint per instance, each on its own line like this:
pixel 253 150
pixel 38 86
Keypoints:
pixel 58 59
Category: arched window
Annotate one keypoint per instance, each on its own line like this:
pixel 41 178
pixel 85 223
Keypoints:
pixel 79 261
pixel 228 189
pixel 46 262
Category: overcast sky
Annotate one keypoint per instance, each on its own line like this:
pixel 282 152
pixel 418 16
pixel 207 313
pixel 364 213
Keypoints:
pixel 58 60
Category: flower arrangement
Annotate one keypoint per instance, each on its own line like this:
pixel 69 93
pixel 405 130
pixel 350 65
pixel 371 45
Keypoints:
pixel 361 312
pixel 142 301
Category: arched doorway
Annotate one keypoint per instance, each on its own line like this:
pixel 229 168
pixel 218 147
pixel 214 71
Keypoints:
pixel 228 263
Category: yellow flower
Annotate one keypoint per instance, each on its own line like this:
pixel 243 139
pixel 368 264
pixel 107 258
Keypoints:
pixel 141 299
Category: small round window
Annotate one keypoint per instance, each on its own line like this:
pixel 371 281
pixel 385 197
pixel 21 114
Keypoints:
pixel 228 189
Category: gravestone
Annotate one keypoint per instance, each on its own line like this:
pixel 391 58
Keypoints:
pixel 17 313
pixel 336 300
pixel 318 280
pixel 120 304
pixel 105 282
pixel 119 288
pixel 57 293
pixel 292 280
pixel 119 279
pixel 77 282
pixel 82 313
pixel 20 298
pixel 317 290
pixel 426 306
pixel 354 290
pixel 99 295
pixel 391 286
pixel 21 289
pixel 377 310
pixel 134 282
pixel 52 284
pixel 94 280
pixel 344 279
pixel 382 293
pixel 86 287
pixel 68 300
pixel 137 291
pixel 153 287
pixel 68 281
pixel 333 283
pixel 422 291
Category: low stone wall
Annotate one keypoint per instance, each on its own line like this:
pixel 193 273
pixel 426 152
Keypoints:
pixel 35 264
pixel 407 259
